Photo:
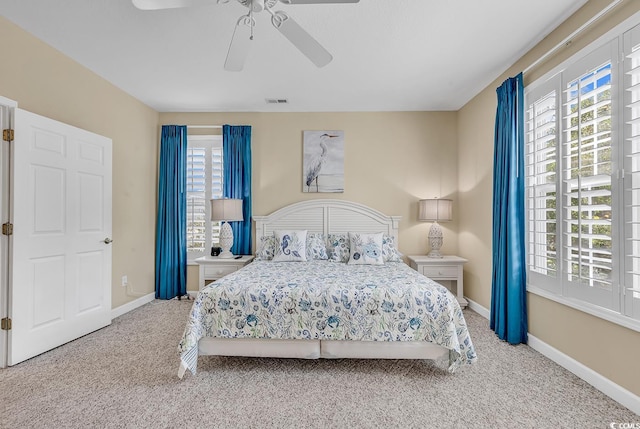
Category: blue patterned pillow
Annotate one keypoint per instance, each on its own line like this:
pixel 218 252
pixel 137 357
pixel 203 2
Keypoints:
pixel 266 248
pixel 291 246
pixel 366 249
pixel 316 246
pixel 389 251
pixel 338 247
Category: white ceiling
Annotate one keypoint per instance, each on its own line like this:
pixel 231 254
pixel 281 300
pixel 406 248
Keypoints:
pixel 400 55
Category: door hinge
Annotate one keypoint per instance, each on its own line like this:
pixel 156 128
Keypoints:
pixel 5 324
pixel 7 229
pixel 7 135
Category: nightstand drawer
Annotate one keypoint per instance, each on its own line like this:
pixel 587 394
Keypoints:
pixel 217 271
pixel 214 268
pixel 439 271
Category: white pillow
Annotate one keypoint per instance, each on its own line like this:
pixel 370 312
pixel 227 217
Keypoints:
pixel 365 249
pixel 291 246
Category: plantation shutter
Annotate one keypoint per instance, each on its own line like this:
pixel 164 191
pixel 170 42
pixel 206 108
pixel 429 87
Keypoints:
pixel 196 198
pixel 583 181
pixel 632 174
pixel 204 182
pixel 541 164
pixel 588 197
pixel 216 187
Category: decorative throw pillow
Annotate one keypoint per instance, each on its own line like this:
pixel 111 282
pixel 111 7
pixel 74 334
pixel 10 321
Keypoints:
pixel 316 246
pixel 266 248
pixel 338 247
pixel 366 249
pixel 291 246
pixel 389 251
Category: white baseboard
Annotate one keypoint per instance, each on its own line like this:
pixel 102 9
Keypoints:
pixel 478 308
pixel 603 384
pixel 119 311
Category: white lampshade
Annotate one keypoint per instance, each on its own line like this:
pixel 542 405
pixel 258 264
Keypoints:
pixel 435 210
pixel 226 209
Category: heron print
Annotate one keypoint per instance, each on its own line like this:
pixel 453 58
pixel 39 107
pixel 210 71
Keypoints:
pixel 323 164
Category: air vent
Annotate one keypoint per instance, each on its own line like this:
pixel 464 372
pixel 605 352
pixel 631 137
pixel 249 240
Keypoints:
pixel 276 100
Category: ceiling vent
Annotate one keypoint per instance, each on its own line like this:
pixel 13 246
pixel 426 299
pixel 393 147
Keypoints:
pixel 277 100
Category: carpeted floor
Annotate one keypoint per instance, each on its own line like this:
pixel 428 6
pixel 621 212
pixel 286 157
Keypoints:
pixel 125 376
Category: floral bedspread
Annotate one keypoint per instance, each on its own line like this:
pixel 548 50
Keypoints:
pixel 328 301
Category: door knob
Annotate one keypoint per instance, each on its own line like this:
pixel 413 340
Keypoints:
pixel 108 240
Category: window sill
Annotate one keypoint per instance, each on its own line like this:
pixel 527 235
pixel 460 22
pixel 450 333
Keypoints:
pixel 608 315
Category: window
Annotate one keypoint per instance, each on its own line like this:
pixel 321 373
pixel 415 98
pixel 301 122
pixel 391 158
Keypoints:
pixel 204 182
pixel 582 172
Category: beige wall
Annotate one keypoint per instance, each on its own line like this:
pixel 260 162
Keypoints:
pixel 46 82
pixel 392 159
pixel 602 346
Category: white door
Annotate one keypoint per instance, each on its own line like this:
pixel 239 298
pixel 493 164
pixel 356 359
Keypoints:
pixel 60 287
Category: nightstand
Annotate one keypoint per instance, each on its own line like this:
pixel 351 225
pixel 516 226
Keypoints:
pixel 213 268
pixel 448 268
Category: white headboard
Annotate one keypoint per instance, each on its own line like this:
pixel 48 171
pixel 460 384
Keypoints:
pixel 327 216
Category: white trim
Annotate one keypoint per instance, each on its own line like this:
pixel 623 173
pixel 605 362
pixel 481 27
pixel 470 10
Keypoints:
pixel 594 310
pixel 567 40
pixel 600 382
pixel 478 309
pixel 125 308
pixel 7 108
pixel 7 102
pixel 615 32
pixel 215 138
pixel 603 384
pixel 215 127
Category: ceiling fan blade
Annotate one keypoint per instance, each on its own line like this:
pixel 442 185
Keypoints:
pixel 301 39
pixel 240 44
pixel 317 1
pixel 167 4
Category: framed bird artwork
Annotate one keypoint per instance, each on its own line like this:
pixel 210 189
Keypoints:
pixel 323 161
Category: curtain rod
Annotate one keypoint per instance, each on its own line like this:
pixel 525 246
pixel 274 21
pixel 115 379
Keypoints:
pixel 204 126
pixel 567 40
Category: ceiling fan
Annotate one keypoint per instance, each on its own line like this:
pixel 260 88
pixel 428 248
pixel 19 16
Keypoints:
pixel 243 33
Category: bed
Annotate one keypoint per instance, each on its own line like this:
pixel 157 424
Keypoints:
pixel 365 304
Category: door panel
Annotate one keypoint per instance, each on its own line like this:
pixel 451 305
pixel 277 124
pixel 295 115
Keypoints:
pixel 61 266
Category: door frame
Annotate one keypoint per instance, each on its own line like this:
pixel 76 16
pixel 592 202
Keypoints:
pixel 7 107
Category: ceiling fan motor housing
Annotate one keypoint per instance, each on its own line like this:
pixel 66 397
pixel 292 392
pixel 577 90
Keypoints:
pixel 258 5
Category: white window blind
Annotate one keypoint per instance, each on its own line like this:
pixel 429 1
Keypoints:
pixel 204 182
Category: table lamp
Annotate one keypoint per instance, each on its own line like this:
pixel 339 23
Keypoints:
pixel 226 210
pixel 435 210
